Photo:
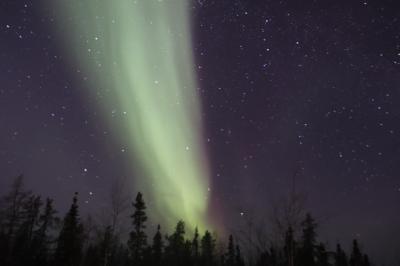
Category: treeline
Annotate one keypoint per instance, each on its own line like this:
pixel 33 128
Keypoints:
pixel 32 234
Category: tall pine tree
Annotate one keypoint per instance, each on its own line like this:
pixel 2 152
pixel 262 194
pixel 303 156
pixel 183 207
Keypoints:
pixel 307 251
pixel 157 248
pixel 230 255
pixel 22 252
pixel 11 217
pixel 340 257
pixel 175 251
pixel 356 257
pixel 322 255
pixel 70 241
pixel 41 237
pixel 290 247
pixel 137 242
pixel 195 247
pixel 207 249
pixel 239 261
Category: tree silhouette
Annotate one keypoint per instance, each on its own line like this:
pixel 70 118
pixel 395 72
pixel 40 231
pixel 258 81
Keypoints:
pixel 69 244
pixel 176 245
pixel 107 246
pixel 22 251
pixel 41 238
pixel 157 248
pixel 230 255
pixel 366 260
pixel 11 215
pixel 207 249
pixel 340 257
pixel 28 230
pixel 322 255
pixel 356 257
pixel 307 250
pixel 195 247
pixel 239 261
pixel 137 239
pixel 290 247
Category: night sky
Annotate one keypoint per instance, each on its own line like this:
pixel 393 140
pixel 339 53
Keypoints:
pixel 306 87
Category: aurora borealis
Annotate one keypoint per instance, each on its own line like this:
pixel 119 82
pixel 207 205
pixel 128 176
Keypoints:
pixel 139 53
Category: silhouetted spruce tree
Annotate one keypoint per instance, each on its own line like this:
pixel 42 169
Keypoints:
pixel 356 257
pixel 22 253
pixel 322 255
pixel 230 254
pixel 366 260
pixel 41 237
pixel 340 257
pixel 195 247
pixel 157 248
pixel 176 246
pixel 107 246
pixel 31 212
pixel 239 261
pixel 187 253
pixel 119 257
pixel 307 250
pixel 137 242
pixel 268 258
pixel 289 248
pixel 102 250
pixel 207 249
pixel 70 240
pixel 11 216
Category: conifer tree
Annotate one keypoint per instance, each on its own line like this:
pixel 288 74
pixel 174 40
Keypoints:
pixel 239 261
pixel 366 260
pixel 207 249
pixel 307 252
pixel 137 239
pixel 289 248
pixel 157 247
pixel 187 253
pixel 41 238
pixel 31 211
pixel 356 257
pixel 22 252
pixel 70 241
pixel 176 245
pixel 230 255
pixel 340 257
pixel 12 214
pixel 107 246
pixel 195 246
pixel 322 255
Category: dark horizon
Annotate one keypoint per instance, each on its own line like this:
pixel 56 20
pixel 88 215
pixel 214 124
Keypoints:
pixel 33 232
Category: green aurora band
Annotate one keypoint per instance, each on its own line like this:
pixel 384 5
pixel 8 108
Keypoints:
pixel 137 55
